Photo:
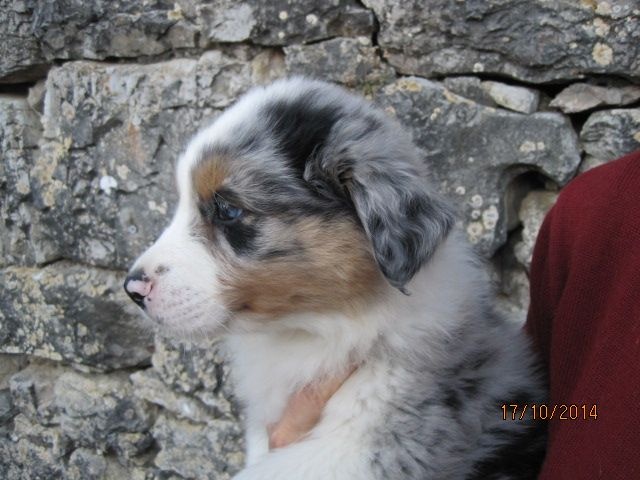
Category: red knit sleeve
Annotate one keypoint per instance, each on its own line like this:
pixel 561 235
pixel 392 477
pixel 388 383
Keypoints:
pixel 584 319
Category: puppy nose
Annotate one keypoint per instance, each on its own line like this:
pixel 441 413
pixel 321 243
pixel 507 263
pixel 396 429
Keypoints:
pixel 138 286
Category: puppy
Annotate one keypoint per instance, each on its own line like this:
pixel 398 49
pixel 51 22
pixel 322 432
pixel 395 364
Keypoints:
pixel 307 235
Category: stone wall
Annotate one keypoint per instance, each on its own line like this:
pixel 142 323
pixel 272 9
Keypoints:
pixel 507 99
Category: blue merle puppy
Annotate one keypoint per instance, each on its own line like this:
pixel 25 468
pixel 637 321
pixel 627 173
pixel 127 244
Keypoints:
pixel 307 235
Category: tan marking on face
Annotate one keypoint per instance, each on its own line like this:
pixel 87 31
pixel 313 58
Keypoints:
pixel 334 272
pixel 209 175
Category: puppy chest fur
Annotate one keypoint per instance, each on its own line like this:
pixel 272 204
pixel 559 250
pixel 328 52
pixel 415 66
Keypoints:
pixel 307 234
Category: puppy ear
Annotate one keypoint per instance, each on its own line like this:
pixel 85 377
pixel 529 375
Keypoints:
pixel 374 170
pixel 404 221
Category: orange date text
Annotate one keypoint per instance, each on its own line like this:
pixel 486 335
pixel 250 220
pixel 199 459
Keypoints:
pixel 543 411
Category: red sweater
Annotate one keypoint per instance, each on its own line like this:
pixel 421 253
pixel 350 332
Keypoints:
pixel 585 320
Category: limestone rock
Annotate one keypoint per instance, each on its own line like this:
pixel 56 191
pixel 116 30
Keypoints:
pixel 72 313
pixel 187 367
pixel 610 134
pixel 471 88
pixel 38 33
pixel 533 209
pixel 20 131
pixel 60 409
pixel 86 182
pixel 112 135
pixel 120 28
pixel 9 365
pixel 195 451
pixel 514 301
pixel 34 451
pixel 21 59
pixel 518 99
pixel 473 152
pixel 85 464
pixel 149 387
pixel 7 410
pixel 283 22
pixel 197 369
pixel 579 97
pixel 351 61
pixel 495 94
pixel 32 392
pixel 535 41
pixel 96 409
pixel 133 448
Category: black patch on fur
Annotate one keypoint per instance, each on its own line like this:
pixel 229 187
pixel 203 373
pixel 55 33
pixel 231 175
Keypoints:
pixel 520 455
pixel 452 399
pixel 301 127
pixel 207 210
pixel 520 458
pixel 241 234
pixel 480 360
pixel 470 386
pixel 375 224
pixel 241 237
pixel 343 156
pixel 426 404
pixel 230 197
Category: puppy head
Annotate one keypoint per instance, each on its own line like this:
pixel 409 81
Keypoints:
pixel 300 198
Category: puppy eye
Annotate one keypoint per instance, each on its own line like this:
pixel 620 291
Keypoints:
pixel 217 210
pixel 227 213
